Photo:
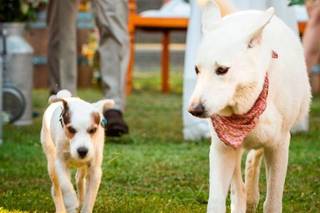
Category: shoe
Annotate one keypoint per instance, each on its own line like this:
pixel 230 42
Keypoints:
pixel 115 126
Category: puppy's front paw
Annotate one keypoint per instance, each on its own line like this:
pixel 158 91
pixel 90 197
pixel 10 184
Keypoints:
pixel 76 210
pixel 71 202
pixel 251 208
pixel 216 207
pixel 85 209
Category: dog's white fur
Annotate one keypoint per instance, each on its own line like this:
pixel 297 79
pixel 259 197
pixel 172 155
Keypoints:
pixel 244 41
pixel 61 149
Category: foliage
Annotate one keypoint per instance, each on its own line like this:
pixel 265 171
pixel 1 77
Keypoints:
pixel 296 2
pixel 20 10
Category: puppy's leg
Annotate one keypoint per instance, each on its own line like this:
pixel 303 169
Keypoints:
pixel 69 195
pixel 81 183
pixel 276 165
pixel 93 183
pixel 50 152
pixel 55 189
pixel 252 174
pixel 223 160
pixel 238 193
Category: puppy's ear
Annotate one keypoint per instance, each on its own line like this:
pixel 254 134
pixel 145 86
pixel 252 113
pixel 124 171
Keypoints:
pixel 52 99
pixel 96 118
pixel 66 110
pixel 104 105
pixel 64 94
pixel 256 36
pixel 211 15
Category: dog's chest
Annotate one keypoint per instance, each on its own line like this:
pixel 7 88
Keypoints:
pixel 267 130
pixel 263 134
pixel 71 163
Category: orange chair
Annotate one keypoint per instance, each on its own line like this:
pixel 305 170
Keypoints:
pixel 149 24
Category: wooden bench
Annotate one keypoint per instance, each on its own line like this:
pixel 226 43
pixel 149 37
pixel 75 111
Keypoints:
pixel 150 24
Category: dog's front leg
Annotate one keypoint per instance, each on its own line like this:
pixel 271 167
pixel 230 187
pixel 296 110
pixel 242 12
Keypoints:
pixel 69 195
pixel 55 189
pixel 222 165
pixel 276 166
pixel 252 174
pixel 81 183
pixel 93 183
pixel 238 191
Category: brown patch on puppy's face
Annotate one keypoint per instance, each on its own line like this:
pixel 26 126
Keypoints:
pixel 66 119
pixel 70 131
pixel 96 121
pixel 66 115
pixel 96 117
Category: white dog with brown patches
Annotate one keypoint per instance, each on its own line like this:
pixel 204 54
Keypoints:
pixel 252 86
pixel 72 136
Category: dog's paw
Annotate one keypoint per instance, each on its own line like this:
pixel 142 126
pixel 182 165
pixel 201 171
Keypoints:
pixel 73 210
pixel 71 202
pixel 251 207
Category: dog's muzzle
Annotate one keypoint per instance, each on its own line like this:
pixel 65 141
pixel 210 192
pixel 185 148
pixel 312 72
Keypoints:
pixel 82 152
pixel 197 110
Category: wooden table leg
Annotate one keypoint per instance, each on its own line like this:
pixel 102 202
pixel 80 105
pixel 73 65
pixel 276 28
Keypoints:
pixel 129 75
pixel 131 30
pixel 165 62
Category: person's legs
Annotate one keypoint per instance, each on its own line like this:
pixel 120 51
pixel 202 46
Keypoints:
pixel 112 21
pixel 62 55
pixel 311 43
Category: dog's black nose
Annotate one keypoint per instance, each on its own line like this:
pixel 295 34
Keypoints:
pixel 82 151
pixel 197 110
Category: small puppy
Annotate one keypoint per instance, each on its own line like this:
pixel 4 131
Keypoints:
pixel 72 135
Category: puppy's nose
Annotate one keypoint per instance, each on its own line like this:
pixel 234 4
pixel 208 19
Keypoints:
pixel 197 110
pixel 82 151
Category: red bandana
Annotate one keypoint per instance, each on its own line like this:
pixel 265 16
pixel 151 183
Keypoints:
pixel 233 129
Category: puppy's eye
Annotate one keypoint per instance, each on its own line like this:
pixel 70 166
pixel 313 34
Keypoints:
pixel 72 130
pixel 197 70
pixel 222 70
pixel 92 130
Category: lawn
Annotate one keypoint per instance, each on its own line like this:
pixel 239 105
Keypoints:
pixel 152 169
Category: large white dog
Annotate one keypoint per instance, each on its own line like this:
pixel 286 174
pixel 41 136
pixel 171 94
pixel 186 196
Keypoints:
pixel 72 136
pixel 252 85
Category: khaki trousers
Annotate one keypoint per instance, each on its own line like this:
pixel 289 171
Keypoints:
pixel 111 18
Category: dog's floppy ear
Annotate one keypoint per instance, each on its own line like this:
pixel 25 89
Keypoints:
pixel 66 110
pixel 60 95
pixel 103 105
pixel 211 15
pixel 256 34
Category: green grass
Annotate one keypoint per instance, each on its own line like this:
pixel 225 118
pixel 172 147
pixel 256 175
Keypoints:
pixel 152 169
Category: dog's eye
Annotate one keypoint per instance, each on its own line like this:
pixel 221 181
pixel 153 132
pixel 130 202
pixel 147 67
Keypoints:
pixel 72 130
pixel 197 70
pixel 222 70
pixel 92 130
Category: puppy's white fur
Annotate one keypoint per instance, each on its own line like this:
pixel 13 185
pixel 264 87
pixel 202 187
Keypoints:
pixel 68 124
pixel 244 41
